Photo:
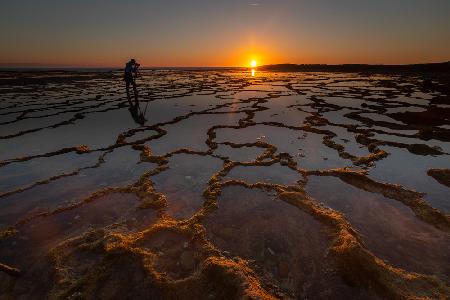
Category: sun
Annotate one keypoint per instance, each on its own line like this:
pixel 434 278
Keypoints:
pixel 253 63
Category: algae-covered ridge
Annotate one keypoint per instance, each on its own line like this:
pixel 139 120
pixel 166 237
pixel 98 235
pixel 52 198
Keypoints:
pixel 140 233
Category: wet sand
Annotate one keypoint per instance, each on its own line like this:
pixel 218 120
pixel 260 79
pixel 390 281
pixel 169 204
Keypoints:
pixel 304 185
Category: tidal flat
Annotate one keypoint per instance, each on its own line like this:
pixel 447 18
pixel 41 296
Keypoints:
pixel 222 185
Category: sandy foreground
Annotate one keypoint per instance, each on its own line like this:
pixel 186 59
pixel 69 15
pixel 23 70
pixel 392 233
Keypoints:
pixel 224 185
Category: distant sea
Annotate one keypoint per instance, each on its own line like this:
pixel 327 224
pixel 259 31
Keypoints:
pixel 110 69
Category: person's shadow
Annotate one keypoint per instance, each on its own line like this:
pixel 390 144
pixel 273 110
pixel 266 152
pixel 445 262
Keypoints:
pixel 135 109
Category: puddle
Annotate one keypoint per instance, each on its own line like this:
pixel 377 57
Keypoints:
pixel 275 174
pixel 279 239
pixel 121 167
pixel 338 117
pixel 389 229
pixel 397 168
pixel 191 133
pixel 95 131
pixel 306 148
pixel 43 233
pixel 184 182
pixel 344 102
pixel 23 174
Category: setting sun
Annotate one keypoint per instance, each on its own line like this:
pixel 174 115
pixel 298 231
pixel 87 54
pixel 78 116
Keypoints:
pixel 253 63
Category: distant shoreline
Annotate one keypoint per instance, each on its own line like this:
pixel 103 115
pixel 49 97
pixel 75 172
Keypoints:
pixel 430 67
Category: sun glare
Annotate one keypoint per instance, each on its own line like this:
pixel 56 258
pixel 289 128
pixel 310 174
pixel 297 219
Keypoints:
pixel 253 63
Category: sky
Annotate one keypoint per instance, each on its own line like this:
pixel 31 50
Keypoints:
pixel 106 33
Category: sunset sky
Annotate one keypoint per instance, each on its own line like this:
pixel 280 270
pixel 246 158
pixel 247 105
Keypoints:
pixel 223 33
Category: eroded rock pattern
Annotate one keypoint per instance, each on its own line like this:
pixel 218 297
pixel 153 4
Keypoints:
pixel 281 185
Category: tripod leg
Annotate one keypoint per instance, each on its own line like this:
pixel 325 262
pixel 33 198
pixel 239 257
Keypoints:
pixel 127 87
pixel 135 93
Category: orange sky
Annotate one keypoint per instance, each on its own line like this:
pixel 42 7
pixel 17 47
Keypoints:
pixel 223 33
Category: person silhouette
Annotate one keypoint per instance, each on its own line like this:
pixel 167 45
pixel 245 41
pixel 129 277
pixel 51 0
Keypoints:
pixel 130 74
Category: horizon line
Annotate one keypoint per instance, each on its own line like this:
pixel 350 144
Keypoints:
pixel 68 66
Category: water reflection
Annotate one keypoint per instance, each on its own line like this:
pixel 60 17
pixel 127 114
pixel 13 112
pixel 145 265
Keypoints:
pixel 135 108
pixel 253 72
